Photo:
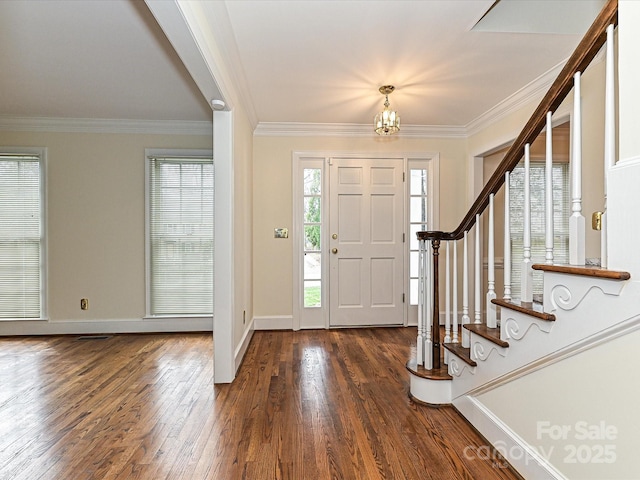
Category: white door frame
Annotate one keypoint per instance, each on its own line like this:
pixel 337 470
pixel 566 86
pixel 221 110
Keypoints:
pixel 320 319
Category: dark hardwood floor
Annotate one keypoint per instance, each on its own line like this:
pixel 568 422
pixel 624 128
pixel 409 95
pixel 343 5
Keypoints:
pixel 323 404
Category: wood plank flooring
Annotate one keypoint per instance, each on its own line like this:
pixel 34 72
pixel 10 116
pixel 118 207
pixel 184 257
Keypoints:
pixel 322 404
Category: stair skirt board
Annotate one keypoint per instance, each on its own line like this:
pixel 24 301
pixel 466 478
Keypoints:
pixel 439 392
pixel 523 457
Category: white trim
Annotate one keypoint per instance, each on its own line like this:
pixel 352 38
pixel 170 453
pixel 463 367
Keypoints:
pixel 224 278
pixel 44 293
pixel 314 161
pixel 181 29
pixel 630 162
pixel 217 40
pixel 530 92
pixel 81 327
pixel 273 322
pixel 530 464
pixel 242 347
pixel 104 125
pixel 292 129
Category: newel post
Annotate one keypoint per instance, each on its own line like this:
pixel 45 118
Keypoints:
pixel 435 330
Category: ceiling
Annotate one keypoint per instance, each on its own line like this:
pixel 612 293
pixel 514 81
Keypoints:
pixel 304 61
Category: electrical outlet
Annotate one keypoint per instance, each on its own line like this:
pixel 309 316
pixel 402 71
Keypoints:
pixel 84 304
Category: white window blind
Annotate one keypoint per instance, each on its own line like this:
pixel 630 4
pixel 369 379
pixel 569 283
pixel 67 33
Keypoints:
pixel 561 206
pixel 21 237
pixel 180 236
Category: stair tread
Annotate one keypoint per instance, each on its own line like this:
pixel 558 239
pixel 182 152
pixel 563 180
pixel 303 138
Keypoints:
pixel 433 374
pixel 460 351
pixel 491 334
pixel 535 309
pixel 590 271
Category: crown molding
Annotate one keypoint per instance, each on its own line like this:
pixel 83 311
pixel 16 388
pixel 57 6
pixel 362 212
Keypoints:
pixel 532 91
pixel 95 125
pixel 290 129
pixel 212 32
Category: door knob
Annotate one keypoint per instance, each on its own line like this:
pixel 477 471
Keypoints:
pixel 334 250
pixel 334 236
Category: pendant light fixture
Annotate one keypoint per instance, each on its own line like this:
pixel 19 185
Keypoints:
pixel 387 122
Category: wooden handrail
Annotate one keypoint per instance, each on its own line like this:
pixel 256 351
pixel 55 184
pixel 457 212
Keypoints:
pixel 578 62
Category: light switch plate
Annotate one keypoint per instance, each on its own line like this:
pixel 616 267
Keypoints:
pixel 281 233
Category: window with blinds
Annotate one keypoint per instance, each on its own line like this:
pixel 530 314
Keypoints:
pixel 180 236
pixel 22 235
pixel 561 213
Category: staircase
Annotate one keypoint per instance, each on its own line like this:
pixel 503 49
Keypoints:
pixel 506 339
pixel 532 333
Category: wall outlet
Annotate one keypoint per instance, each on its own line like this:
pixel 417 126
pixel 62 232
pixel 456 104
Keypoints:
pixel 84 304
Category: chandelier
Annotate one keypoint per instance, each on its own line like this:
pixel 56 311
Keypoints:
pixel 387 122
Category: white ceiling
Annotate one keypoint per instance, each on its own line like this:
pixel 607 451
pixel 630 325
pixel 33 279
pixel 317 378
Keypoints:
pixel 91 59
pixel 308 61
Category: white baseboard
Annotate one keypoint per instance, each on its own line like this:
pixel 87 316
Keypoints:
pixel 522 456
pixel 282 322
pixel 83 327
pixel 241 349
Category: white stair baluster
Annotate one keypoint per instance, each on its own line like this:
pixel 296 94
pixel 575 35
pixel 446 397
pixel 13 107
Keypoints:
pixel 455 292
pixel 465 292
pixel 447 298
pixel 477 304
pixel 447 304
pixel 609 135
pixel 421 301
pixel 491 271
pixel 527 273
pixel 507 240
pixel 428 343
pixel 576 221
pixel 548 190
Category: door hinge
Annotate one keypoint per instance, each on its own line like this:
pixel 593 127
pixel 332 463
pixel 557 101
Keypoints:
pixel 403 298
pixel 403 174
pixel 403 240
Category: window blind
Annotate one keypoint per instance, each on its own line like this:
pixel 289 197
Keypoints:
pixel 181 236
pixel 561 206
pixel 21 237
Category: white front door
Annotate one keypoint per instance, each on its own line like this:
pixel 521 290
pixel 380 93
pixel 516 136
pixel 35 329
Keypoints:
pixel 366 250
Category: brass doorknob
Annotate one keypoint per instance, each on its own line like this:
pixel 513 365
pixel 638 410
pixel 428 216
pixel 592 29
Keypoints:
pixel 334 250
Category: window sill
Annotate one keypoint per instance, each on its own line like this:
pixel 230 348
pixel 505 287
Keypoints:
pixel 44 319
pixel 174 317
